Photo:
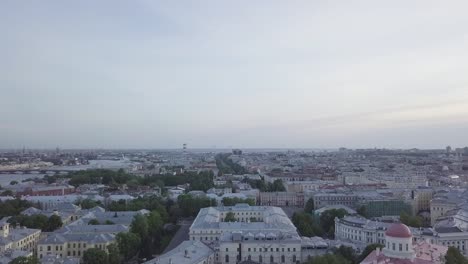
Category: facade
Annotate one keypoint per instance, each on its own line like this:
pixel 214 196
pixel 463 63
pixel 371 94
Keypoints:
pixel 400 249
pixel 361 232
pixel 325 199
pixel 72 245
pixel 444 201
pixel 14 239
pixel 379 208
pixel 261 234
pixel 281 199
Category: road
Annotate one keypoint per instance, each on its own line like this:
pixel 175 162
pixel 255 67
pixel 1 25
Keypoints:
pixel 180 236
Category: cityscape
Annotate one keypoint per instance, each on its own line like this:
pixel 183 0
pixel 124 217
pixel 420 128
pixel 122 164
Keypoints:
pixel 213 206
pixel 233 132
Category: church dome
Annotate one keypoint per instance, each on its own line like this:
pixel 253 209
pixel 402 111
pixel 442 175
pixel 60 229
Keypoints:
pixel 398 230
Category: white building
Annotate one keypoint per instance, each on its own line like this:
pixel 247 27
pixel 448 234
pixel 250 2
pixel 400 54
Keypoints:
pixel 188 252
pixel 262 234
pixel 400 249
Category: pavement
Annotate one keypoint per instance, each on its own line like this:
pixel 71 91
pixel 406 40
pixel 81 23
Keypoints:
pixel 180 236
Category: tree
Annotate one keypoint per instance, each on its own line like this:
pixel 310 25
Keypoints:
pixel 454 256
pixel 54 223
pixel 25 260
pixel 227 201
pixel 128 244
pixel 95 256
pixel 347 253
pixel 278 186
pixel 413 221
pixel 139 226
pixel 306 224
pixel 93 221
pixel 7 193
pixel 327 220
pixel 114 254
pixel 309 207
pixel 369 248
pixel 362 211
pixel 87 204
pixel 230 217
pixel 329 259
pixel 13 182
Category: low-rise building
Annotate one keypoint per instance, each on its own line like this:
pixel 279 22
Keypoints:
pixel 188 252
pixel 281 199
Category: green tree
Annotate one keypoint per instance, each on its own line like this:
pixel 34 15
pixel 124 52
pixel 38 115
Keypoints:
pixel 128 244
pixel 54 223
pixel 362 211
pixel 369 248
pixel 327 220
pixel 93 221
pixel 306 224
pixel 413 221
pixel 329 259
pixel 230 217
pixel 227 201
pixel 278 186
pixel 140 226
pixel 309 206
pixel 88 204
pixel 95 256
pixel 7 193
pixel 347 253
pixel 454 256
pixel 25 260
pixel 114 254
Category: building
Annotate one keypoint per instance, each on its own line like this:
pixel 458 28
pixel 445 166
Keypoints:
pixel 173 193
pixel 281 199
pixel 14 239
pixel 446 200
pixel 188 252
pixel 325 199
pixel 387 207
pixel 62 245
pixel 400 249
pixel 450 231
pixel 262 234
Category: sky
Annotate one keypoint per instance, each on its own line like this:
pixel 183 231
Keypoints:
pixel 242 74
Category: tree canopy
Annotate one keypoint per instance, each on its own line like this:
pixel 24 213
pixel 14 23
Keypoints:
pixel 454 256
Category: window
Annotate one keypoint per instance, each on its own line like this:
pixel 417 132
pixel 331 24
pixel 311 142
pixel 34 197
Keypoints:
pixel 393 246
pixel 406 247
pixel 249 258
pixel 272 259
pixel 48 248
pixel 227 258
pixel 283 259
pixel 260 259
pixel 400 247
pixel 227 249
pixel 294 258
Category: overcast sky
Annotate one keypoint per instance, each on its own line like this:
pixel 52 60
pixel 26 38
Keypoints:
pixel 259 74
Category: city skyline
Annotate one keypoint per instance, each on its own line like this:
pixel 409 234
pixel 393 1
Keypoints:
pixel 155 75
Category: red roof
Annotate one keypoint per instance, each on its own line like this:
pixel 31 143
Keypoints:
pixel 398 230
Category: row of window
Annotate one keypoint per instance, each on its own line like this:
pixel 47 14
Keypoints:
pixel 265 249
pixel 260 258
